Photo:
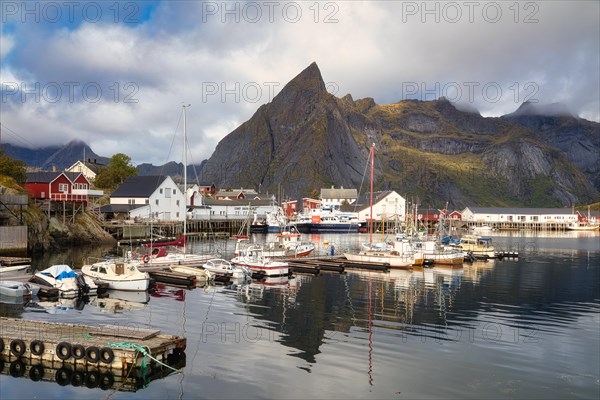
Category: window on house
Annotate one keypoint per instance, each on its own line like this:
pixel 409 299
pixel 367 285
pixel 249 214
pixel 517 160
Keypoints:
pixel 161 191
pixel 156 202
pixel 131 201
pixel 174 192
pixel 177 202
pixel 167 193
pixel 63 188
pixel 147 201
pixel 177 215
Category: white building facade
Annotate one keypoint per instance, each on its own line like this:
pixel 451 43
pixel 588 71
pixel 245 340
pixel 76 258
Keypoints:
pixel 525 215
pixel 159 198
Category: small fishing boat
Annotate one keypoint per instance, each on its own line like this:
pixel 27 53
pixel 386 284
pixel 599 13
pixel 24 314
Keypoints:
pixel 119 275
pixel 254 259
pixel 69 283
pixel 18 289
pixel 219 266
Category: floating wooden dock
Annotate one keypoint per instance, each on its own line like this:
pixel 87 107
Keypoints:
pixel 338 265
pixel 11 261
pixel 110 347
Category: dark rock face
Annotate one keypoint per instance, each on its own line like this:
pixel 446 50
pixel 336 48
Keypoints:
pixel 306 139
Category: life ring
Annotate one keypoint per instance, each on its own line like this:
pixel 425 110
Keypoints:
pixel 17 368
pixel 106 381
pixel 17 347
pixel 78 351
pixel 92 379
pixel 78 378
pixel 146 258
pixel 36 373
pixel 106 355
pixel 63 376
pixel 63 350
pixel 36 347
pixel 92 354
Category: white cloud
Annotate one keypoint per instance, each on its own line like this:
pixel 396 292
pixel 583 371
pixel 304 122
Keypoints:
pixel 376 49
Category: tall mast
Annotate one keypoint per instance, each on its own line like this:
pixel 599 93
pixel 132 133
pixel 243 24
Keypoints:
pixel 372 156
pixel 184 174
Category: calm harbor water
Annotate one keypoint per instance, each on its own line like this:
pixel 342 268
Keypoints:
pixel 521 328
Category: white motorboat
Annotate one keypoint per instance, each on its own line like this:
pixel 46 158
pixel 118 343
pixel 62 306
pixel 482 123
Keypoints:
pixel 202 275
pixel 12 271
pixel 392 258
pixel 477 246
pixel 119 275
pixel 68 282
pixel 219 266
pixel 254 259
pixel 18 289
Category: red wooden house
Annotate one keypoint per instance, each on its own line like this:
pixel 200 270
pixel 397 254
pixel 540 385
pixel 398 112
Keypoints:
pixel 58 186
pixel 289 207
pixel 428 215
pixel 454 215
pixel 308 205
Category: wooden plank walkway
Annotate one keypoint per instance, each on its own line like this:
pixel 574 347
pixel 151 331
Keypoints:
pixel 84 345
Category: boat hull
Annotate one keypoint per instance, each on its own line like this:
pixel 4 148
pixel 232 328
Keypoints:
pixel 381 258
pixel 270 269
pixel 327 228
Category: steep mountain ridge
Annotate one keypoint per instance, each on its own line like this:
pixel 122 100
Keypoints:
pixel 307 138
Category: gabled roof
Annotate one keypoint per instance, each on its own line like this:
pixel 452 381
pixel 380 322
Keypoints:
pixel 521 210
pixel 338 193
pixel 94 167
pixel 49 176
pixel 365 198
pixel 42 176
pixel 139 186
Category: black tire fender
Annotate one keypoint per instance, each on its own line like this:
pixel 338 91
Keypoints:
pixel 17 368
pixel 36 373
pixel 63 350
pixel 17 347
pixel 107 355
pixel 63 376
pixel 92 354
pixel 37 347
pixel 78 351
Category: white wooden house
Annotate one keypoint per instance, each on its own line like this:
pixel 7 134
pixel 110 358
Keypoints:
pixel 153 197
pixel 387 205
pixel 88 168
pixel 336 197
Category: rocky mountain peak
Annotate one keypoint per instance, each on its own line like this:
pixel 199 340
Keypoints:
pixel 529 108
pixel 307 86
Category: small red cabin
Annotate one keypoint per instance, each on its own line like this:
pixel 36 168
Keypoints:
pixel 60 186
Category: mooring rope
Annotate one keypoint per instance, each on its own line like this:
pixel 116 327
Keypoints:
pixel 145 350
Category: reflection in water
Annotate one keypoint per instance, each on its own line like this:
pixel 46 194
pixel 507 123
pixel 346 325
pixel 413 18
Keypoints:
pixel 474 331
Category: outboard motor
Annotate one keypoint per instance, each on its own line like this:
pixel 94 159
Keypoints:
pixel 82 285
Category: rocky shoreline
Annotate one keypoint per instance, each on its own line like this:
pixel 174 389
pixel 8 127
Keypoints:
pixel 44 233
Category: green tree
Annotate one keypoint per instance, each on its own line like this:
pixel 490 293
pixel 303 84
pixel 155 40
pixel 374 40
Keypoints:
pixel 13 168
pixel 119 168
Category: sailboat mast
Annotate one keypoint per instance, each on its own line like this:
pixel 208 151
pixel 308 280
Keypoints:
pixel 372 157
pixel 184 174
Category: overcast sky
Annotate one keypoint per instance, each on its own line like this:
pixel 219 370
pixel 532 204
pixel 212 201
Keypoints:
pixel 116 74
